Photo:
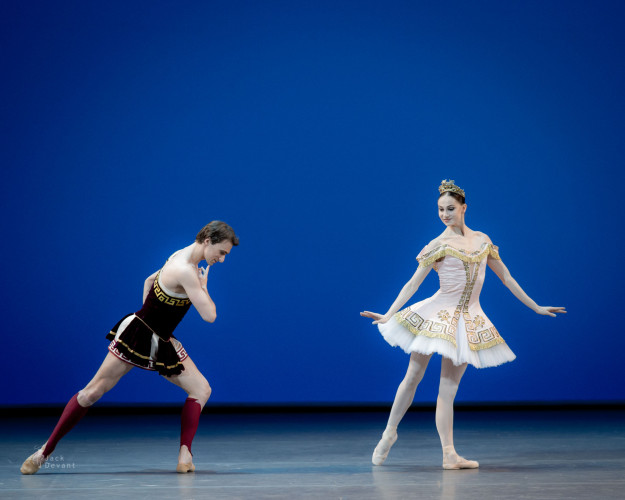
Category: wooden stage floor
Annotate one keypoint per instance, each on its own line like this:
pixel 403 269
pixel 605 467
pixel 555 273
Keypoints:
pixel 523 454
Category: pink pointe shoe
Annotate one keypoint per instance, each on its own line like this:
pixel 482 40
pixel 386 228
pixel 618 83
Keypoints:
pixel 384 446
pixel 453 461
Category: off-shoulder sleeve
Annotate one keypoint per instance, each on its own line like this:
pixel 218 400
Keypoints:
pixel 428 256
pixel 493 251
pixel 422 253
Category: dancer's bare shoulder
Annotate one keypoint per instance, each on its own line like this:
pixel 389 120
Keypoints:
pixel 178 273
pixel 440 240
pixel 469 241
pixel 481 237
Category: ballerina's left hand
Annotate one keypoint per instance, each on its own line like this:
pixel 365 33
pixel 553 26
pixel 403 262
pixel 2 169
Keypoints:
pixel 550 310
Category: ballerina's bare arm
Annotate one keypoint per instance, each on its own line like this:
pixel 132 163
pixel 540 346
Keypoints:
pixel 504 275
pixel 407 291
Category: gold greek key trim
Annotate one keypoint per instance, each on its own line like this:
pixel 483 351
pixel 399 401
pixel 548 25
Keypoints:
pixel 486 250
pixel 487 345
pixel 416 325
pixel 168 299
pixel 477 339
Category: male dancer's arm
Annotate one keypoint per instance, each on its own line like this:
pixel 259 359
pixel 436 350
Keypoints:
pixel 195 287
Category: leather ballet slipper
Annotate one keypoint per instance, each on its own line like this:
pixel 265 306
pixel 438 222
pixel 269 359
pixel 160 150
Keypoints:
pixel 184 468
pixel 33 463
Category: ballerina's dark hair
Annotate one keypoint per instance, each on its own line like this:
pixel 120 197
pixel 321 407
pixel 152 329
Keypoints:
pixel 458 197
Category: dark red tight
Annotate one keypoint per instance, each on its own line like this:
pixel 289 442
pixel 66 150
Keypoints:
pixel 72 413
pixel 190 419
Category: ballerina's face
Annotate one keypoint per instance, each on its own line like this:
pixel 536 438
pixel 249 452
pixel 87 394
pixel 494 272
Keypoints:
pixel 451 211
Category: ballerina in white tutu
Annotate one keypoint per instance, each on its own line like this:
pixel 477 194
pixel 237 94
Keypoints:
pixel 450 323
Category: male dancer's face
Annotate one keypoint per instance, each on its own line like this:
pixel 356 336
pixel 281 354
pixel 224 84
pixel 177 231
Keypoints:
pixel 217 252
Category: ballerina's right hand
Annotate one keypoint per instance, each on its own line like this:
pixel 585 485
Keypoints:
pixel 379 318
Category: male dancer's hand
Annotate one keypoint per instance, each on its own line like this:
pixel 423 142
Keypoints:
pixel 202 273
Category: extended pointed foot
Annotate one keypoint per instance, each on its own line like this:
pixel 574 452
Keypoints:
pixel 384 446
pixel 33 463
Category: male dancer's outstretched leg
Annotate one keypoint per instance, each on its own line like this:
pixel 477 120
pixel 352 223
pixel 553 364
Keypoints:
pixel 198 391
pixel 111 370
pixel 403 399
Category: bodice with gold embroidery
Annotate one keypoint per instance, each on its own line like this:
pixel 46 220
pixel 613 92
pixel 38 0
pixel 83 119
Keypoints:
pixel 461 276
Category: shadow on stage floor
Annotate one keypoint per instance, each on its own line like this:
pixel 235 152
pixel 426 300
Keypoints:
pixel 524 453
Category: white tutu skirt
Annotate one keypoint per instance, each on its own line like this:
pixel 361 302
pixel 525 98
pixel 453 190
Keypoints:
pixel 396 335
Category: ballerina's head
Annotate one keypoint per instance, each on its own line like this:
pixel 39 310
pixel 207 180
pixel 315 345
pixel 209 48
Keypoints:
pixel 451 204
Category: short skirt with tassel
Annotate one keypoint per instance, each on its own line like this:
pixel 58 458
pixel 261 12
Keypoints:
pixel 134 342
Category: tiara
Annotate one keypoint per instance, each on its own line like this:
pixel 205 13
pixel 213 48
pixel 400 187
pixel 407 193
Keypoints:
pixel 449 186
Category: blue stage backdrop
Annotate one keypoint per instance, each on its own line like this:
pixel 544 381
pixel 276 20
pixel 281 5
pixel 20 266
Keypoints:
pixel 320 131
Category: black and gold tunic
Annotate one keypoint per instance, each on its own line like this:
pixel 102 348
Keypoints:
pixel 146 337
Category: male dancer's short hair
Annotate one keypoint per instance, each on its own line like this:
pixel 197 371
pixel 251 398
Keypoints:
pixel 217 231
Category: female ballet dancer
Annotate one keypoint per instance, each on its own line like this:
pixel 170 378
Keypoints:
pixel 450 323
pixel 145 339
